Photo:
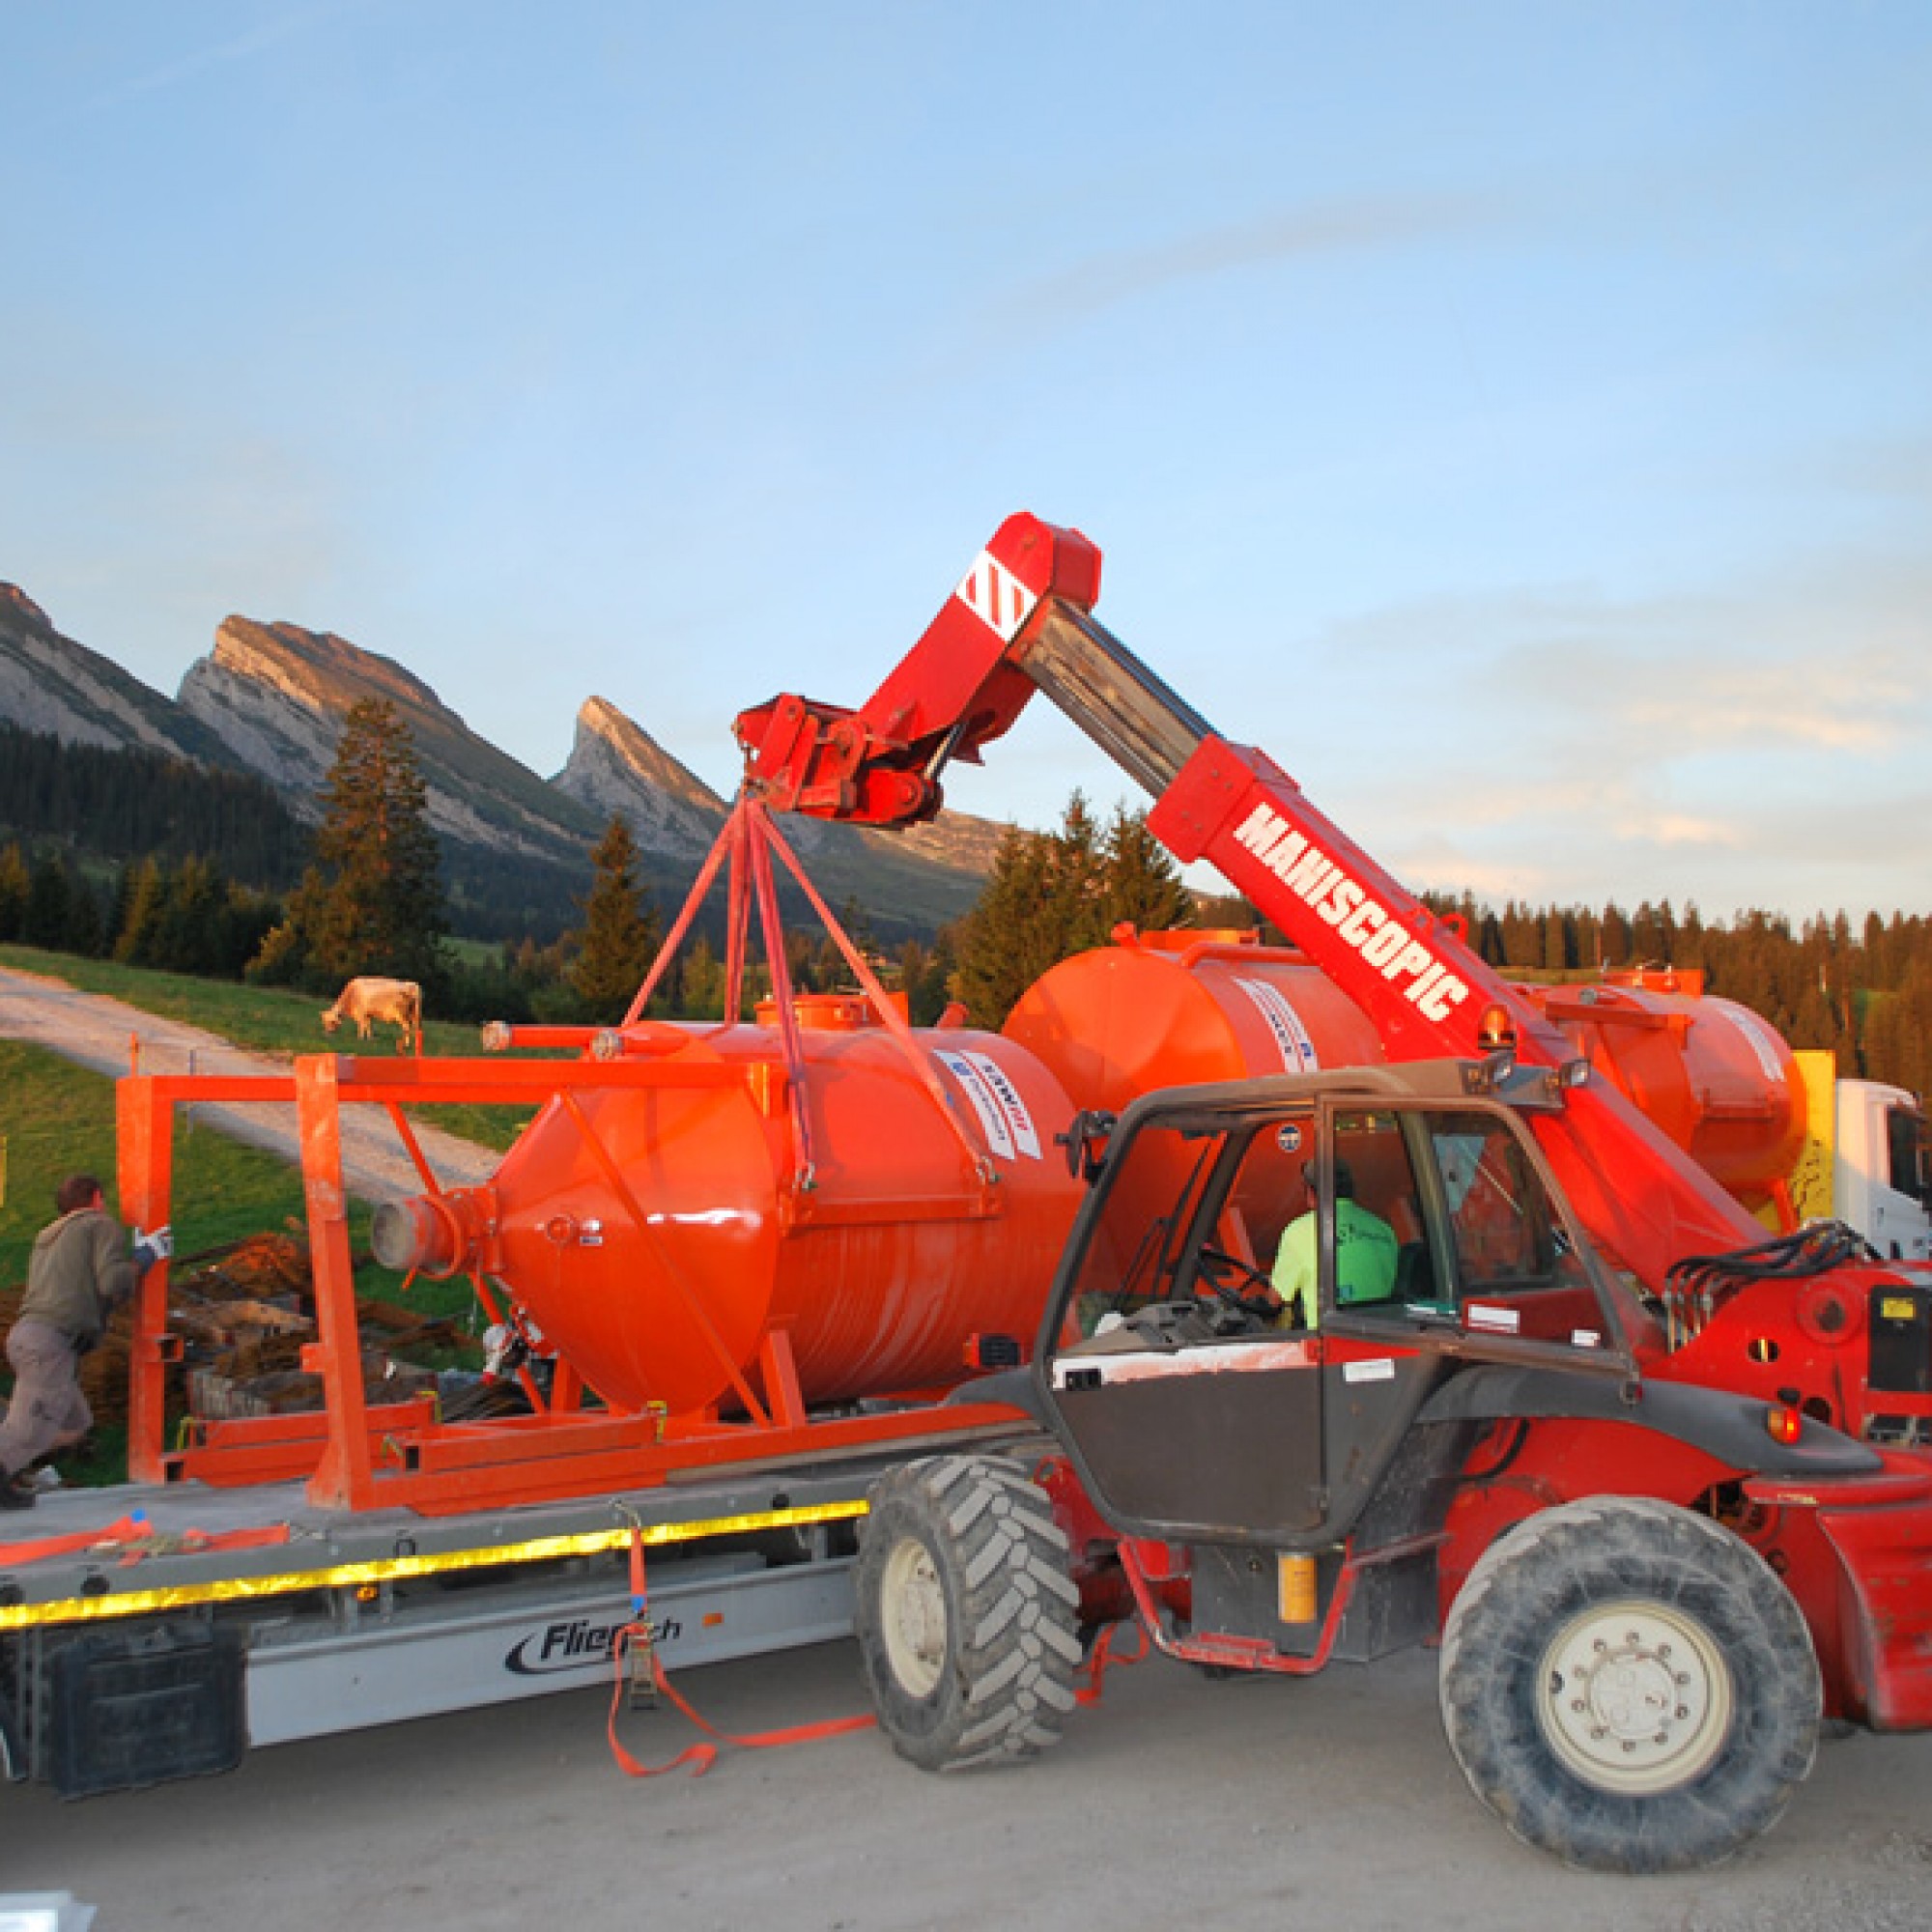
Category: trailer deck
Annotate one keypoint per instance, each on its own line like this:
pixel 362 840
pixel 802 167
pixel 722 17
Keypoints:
pixel 153 1631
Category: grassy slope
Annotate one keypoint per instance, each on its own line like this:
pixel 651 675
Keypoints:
pixel 58 1119
pixel 265 1019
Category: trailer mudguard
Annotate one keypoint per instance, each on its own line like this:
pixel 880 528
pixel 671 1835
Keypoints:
pixel 1729 1428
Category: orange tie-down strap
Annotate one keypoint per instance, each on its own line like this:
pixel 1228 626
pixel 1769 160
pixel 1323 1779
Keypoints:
pixel 701 1757
pixel 133 1538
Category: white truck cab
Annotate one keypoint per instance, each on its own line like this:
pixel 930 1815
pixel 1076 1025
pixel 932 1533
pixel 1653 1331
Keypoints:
pixel 1866 1161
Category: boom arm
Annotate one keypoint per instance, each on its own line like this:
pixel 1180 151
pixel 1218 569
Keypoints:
pixel 1021 621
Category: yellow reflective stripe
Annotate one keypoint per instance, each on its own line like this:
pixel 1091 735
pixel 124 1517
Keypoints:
pixel 389 1569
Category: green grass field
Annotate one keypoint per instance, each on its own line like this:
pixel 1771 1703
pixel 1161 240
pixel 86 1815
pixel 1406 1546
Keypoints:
pixel 57 1119
pixel 265 1019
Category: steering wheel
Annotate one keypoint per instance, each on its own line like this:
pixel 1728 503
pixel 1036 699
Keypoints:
pixel 1262 1303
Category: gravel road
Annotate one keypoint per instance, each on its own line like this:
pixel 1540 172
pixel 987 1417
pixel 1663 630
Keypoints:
pixel 1178 1803
pixel 1177 1806
pixel 97 1032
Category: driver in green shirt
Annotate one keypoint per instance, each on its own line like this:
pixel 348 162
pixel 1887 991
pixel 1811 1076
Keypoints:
pixel 1365 1254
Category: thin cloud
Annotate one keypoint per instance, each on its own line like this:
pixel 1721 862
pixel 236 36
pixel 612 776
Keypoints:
pixel 241 48
pixel 1105 281
pixel 1831 701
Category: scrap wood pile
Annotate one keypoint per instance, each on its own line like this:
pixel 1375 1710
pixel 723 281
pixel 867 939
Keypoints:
pixel 244 1313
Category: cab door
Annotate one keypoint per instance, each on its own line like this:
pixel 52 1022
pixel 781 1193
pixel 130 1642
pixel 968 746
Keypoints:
pixel 1187 1417
pixel 1191 1421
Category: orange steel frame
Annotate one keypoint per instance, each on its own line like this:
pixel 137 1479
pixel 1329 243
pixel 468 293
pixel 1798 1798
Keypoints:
pixel 358 1456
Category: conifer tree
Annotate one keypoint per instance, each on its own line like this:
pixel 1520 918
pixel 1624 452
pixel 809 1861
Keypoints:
pixel 1009 938
pixel 146 897
pixel 1052 895
pixel 188 935
pixel 373 903
pixel 81 932
pixel 701 988
pixel 13 881
pixel 620 928
pixel 44 921
pixel 1144 886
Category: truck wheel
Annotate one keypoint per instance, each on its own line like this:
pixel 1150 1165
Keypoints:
pixel 966 1613
pixel 1629 1687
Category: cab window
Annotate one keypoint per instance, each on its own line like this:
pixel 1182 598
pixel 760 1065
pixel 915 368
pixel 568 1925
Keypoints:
pixel 1516 1270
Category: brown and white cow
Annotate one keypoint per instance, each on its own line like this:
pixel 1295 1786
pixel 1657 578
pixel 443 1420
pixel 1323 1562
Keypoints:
pixel 396 1002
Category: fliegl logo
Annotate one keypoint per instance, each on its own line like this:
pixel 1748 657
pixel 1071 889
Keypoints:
pixel 1347 904
pixel 577 1643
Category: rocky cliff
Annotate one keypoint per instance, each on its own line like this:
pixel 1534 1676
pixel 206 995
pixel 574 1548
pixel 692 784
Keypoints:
pixel 49 683
pixel 270 698
pixel 277 695
pixel 617 767
pixel 930 874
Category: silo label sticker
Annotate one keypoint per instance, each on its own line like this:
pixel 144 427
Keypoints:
pixel 1003 1113
pixel 1298 1049
pixel 1761 1043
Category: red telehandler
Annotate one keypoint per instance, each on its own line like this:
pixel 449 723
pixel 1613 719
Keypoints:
pixel 1664 1487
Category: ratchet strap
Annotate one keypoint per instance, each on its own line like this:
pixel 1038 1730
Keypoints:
pixel 133 1538
pixel 633 1652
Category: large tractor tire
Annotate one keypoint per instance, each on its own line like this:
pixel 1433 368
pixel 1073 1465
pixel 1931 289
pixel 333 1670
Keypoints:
pixel 1629 1687
pixel 966 1613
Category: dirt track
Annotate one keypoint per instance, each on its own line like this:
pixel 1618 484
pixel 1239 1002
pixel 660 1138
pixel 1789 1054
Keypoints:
pixel 1177 1806
pixel 95 1031
pixel 1177 1802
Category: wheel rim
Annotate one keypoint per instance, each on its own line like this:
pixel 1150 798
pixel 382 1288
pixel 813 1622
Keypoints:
pixel 914 1619
pixel 1635 1697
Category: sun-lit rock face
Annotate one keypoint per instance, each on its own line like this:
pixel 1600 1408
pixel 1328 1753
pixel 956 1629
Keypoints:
pixel 272 698
pixel 49 683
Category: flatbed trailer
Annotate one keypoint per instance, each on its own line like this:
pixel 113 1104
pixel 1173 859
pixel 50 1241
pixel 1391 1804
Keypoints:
pixel 150 1631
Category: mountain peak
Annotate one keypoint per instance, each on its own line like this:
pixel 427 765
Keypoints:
pixel 617 766
pixel 278 695
pixel 49 683
pixel 598 718
pixel 315 667
pixel 17 601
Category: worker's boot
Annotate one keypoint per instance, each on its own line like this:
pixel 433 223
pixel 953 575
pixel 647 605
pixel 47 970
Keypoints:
pixel 13 1496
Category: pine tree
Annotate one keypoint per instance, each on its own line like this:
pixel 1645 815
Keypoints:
pixel 188 934
pixel 1142 885
pixel 13 883
pixel 1555 942
pixel 1012 934
pixel 925 973
pixel 619 937
pixel 134 941
pixel 373 903
pixel 43 922
pixel 81 933
pixel 701 989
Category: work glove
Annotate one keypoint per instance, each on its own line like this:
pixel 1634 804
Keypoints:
pixel 153 1247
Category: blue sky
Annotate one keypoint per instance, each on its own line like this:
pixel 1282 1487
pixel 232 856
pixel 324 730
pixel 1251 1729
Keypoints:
pixel 1518 419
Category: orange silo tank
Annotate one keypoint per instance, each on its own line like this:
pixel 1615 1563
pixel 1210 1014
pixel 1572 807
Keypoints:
pixel 655 1234
pixel 1171 1009
pixel 1714 1075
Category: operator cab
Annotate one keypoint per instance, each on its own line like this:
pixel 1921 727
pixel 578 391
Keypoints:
pixel 1197 1406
